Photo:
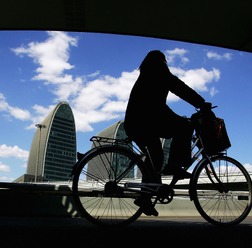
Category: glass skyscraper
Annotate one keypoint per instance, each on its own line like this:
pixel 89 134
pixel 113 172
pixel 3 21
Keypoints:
pixel 53 150
pixel 116 131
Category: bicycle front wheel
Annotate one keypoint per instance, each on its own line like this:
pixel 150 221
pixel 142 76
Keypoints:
pixel 222 191
pixel 99 186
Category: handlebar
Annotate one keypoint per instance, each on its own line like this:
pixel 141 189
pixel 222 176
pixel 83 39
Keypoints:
pixel 203 116
pixel 207 106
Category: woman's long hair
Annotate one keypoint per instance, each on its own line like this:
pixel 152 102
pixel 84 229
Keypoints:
pixel 152 60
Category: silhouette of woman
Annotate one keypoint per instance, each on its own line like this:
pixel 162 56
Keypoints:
pixel 148 118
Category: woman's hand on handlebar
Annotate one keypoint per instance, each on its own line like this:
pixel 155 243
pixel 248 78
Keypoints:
pixel 207 106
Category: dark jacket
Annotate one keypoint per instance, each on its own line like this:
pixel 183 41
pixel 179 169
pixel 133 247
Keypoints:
pixel 147 102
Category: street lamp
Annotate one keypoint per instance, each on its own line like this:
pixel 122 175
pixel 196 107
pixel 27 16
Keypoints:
pixel 40 126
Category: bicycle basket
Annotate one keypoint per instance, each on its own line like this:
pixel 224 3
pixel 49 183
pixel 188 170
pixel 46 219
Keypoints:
pixel 213 133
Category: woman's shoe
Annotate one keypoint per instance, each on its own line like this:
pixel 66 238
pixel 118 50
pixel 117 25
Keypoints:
pixel 146 206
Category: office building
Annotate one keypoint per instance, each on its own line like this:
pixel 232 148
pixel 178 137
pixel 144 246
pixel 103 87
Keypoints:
pixel 53 150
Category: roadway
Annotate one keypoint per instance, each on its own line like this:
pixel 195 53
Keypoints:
pixel 147 231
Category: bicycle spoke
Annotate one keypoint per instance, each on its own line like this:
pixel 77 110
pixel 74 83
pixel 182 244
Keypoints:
pixel 222 194
pixel 99 186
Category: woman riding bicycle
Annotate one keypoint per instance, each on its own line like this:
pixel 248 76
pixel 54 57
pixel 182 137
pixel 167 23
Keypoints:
pixel 148 118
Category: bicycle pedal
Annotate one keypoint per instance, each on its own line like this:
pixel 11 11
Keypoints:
pixel 165 194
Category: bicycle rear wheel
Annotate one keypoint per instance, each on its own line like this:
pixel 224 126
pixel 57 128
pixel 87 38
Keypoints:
pixel 222 191
pixel 99 186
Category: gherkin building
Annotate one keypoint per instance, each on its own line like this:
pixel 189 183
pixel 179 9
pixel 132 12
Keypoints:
pixel 53 150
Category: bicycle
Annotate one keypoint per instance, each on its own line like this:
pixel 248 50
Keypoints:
pixel 108 178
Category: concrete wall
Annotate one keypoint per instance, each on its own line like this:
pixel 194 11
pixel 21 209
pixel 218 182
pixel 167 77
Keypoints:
pixel 56 200
pixel 21 199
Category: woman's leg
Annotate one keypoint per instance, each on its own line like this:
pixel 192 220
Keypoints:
pixel 152 164
pixel 154 161
pixel 180 149
pixel 180 130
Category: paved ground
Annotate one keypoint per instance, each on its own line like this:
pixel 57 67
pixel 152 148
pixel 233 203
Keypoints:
pixel 156 232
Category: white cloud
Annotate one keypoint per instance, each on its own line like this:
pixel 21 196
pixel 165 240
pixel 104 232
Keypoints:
pixel 39 114
pixel 6 179
pixel 51 56
pixel 102 99
pixel 96 98
pixel 176 54
pixel 213 91
pixel 214 55
pixel 4 168
pixel 248 167
pixel 13 151
pixel 18 113
pixel 198 79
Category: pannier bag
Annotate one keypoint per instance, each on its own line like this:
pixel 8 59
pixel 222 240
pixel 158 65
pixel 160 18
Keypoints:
pixel 213 132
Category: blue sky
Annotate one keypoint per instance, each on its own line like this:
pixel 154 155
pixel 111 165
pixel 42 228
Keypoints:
pixel 94 73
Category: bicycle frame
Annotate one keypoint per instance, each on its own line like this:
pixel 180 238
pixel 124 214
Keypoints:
pixel 113 173
pixel 210 187
pixel 127 143
pixel 199 155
